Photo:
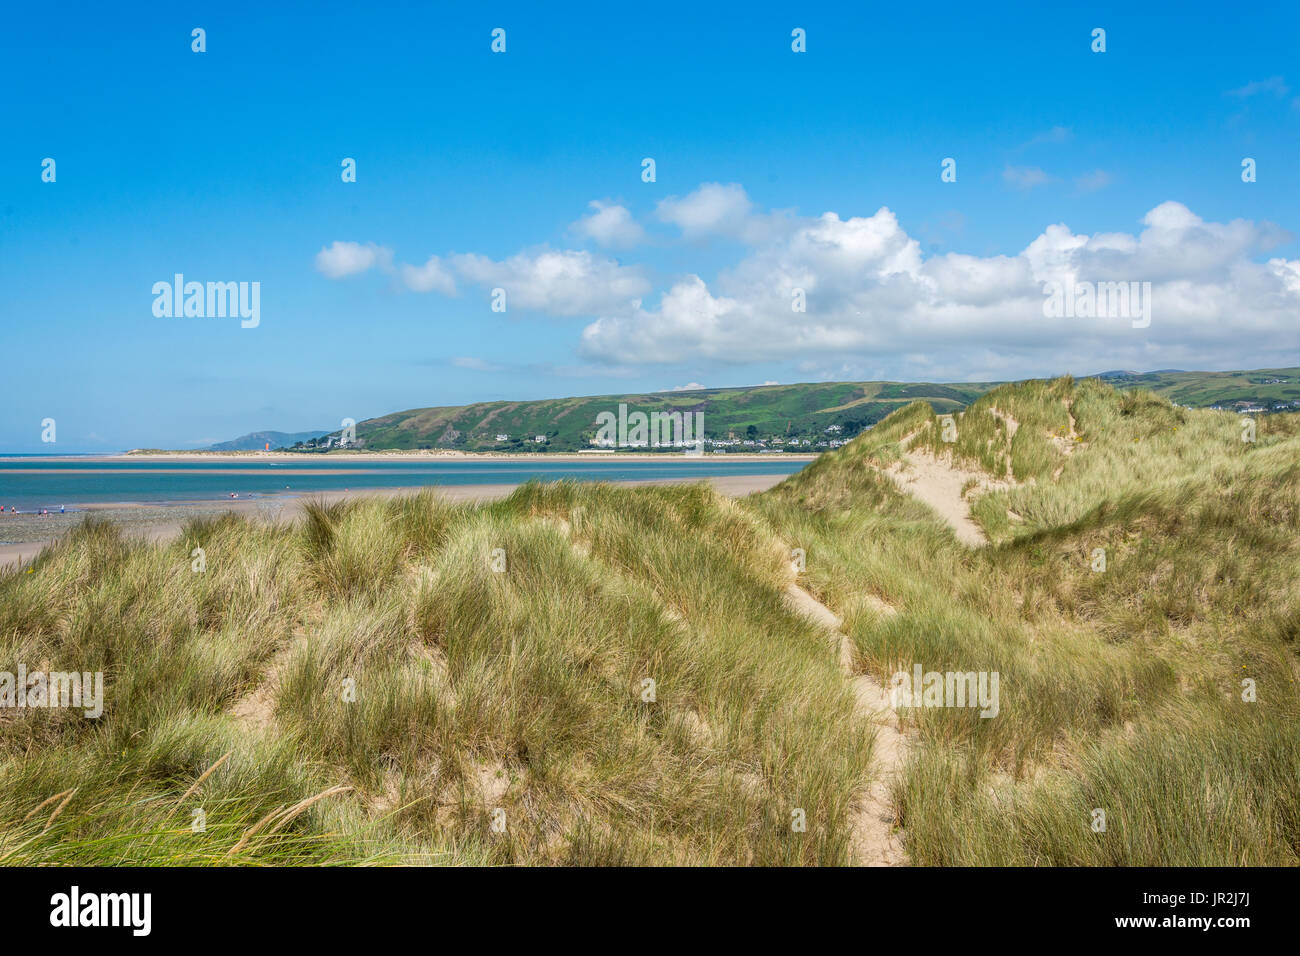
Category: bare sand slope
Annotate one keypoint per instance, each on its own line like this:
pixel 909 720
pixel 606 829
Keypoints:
pixel 938 483
pixel 162 523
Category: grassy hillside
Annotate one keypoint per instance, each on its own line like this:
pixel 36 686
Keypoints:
pixel 1269 388
pixel 398 680
pixel 802 411
pixel 1122 688
pixel 786 411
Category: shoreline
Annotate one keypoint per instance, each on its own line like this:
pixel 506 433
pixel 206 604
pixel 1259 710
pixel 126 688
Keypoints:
pixel 162 522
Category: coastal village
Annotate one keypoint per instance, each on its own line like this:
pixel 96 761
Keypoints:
pixel 833 436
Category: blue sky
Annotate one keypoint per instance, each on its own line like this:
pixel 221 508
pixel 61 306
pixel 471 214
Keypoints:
pixel 225 166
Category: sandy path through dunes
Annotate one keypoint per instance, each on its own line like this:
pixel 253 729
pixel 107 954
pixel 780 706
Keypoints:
pixel 875 841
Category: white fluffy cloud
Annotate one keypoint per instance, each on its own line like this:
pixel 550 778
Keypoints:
pixel 875 300
pixel 559 282
pixel 342 259
pixel 717 210
pixel 433 276
pixel 610 224
pixel 870 293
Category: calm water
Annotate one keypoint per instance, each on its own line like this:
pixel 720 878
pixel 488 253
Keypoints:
pixel 34 482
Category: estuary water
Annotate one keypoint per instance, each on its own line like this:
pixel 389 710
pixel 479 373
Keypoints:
pixel 36 482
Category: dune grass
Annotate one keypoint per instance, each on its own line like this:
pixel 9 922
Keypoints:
pixel 1121 689
pixel 431 671
pixel 588 674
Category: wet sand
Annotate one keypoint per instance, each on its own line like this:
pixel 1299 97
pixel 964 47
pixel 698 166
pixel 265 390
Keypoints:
pixel 27 534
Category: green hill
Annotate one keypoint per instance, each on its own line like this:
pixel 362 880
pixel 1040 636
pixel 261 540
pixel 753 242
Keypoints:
pixel 1269 388
pixel 802 412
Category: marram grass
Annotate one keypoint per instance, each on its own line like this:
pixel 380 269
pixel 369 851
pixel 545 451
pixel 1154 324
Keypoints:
pixel 595 675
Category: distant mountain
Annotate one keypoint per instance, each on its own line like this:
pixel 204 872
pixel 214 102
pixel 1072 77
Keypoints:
pixel 257 441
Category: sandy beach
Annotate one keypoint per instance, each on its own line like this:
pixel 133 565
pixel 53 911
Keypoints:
pixel 28 534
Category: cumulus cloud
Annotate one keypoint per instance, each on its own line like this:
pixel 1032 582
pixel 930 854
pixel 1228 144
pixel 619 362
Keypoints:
pixel 433 276
pixel 872 299
pixel 870 293
pixel 609 224
pixel 717 210
pixel 342 259
pixel 559 282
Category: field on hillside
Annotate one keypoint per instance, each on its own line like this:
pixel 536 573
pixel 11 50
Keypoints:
pixel 587 674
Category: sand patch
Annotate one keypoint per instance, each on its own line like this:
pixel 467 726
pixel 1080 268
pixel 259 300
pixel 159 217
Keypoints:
pixel 1011 424
pixel 256 710
pixel 1067 443
pixel 943 485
